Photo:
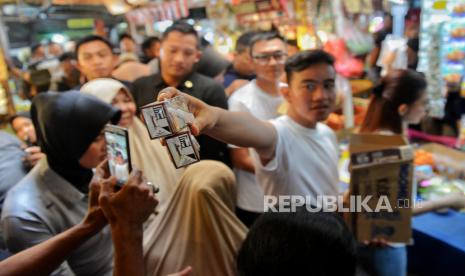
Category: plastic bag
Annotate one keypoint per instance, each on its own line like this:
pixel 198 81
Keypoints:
pixel 357 42
pixel 346 65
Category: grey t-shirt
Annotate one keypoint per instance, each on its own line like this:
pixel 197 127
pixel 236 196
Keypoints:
pixel 11 167
pixel 11 164
pixel 42 205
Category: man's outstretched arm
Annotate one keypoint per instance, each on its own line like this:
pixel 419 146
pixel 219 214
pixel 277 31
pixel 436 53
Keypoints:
pixel 237 128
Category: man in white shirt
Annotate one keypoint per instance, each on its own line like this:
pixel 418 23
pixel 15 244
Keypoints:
pixel 295 154
pixel 261 98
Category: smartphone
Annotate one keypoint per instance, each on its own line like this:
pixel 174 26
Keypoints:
pixel 118 154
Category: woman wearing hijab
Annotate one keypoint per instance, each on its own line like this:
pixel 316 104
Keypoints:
pixel 53 196
pixel 199 227
pixel 147 155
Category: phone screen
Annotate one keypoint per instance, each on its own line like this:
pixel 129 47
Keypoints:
pixel 119 160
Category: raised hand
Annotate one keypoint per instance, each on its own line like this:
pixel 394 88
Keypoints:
pixel 205 115
pixel 131 205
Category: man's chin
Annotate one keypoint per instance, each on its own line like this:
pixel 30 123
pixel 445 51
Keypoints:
pixel 101 76
pixel 177 73
pixel 125 123
pixel 321 116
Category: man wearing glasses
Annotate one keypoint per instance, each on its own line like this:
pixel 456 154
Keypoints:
pixel 260 97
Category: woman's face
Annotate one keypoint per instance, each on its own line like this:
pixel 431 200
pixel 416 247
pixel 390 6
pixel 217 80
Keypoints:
pixel 24 129
pixel 127 106
pixel 95 153
pixel 417 110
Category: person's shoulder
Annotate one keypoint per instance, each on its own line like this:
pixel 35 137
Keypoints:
pixel 24 198
pixel 325 129
pixel 242 93
pixel 204 80
pixel 7 139
pixel 280 123
pixel 208 87
pixel 146 80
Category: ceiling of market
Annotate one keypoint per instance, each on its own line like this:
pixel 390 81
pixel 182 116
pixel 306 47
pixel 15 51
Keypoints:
pixel 30 9
pixel 74 2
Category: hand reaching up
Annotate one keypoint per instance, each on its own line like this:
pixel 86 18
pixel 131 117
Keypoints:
pixel 205 115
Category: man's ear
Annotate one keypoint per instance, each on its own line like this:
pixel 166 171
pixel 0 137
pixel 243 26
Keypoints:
pixel 403 109
pixel 78 66
pixel 198 55
pixel 285 91
pixel 115 61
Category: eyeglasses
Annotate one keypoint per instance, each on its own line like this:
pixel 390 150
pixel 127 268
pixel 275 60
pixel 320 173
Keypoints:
pixel 264 59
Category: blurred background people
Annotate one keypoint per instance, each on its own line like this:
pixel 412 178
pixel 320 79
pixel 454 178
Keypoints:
pixel 127 44
pixel 151 48
pixel 71 75
pixel 241 70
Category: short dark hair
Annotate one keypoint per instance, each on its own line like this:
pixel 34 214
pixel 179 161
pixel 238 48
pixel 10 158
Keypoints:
pixel 67 56
pixel 123 36
pixel 148 42
pixel 298 243
pixel 305 59
pixel 264 36
pixel 292 42
pixel 184 28
pixel 91 38
pixel 243 41
pixel 35 47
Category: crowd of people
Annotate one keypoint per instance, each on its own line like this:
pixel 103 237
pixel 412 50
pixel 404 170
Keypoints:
pixel 62 214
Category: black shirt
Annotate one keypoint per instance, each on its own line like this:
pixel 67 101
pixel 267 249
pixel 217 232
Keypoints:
pixel 145 90
pixel 232 75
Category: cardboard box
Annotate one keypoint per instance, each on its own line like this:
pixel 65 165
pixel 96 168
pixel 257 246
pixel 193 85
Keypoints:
pixel 382 166
pixel 449 162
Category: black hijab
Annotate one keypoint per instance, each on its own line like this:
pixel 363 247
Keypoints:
pixel 66 124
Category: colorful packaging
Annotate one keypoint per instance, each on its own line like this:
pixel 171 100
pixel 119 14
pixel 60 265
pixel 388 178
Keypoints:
pixel 452 73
